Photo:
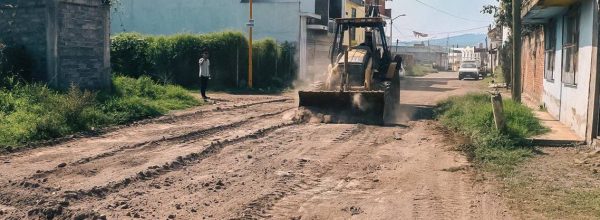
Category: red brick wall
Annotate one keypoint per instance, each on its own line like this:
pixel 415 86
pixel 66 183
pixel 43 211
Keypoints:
pixel 532 67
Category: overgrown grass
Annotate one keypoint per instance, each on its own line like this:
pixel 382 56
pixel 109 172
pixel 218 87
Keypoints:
pixel 419 69
pixel 545 187
pixel 471 115
pixel 33 112
pixel 497 77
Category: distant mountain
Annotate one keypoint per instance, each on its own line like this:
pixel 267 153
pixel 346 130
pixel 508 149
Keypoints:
pixel 460 40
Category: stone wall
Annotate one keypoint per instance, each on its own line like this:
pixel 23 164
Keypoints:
pixel 23 23
pixel 69 40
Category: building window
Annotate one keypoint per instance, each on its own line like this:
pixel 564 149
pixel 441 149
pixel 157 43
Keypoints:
pixel 550 50
pixel 570 46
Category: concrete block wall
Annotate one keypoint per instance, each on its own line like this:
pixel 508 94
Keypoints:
pixel 83 43
pixel 532 68
pixel 69 40
pixel 23 22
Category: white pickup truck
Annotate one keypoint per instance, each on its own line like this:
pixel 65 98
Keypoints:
pixel 469 69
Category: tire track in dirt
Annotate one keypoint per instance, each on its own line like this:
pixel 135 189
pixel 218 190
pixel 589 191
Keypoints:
pixel 178 164
pixel 221 107
pixel 197 134
pixel 206 186
pixel 99 192
pixel 326 180
pixel 16 189
pixel 191 115
pixel 305 187
pixel 128 138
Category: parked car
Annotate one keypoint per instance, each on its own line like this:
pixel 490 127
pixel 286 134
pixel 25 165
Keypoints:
pixel 482 69
pixel 468 70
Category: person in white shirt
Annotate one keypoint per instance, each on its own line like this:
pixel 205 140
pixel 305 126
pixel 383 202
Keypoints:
pixel 204 74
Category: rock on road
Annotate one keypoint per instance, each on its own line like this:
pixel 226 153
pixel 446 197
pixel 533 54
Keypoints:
pixel 243 158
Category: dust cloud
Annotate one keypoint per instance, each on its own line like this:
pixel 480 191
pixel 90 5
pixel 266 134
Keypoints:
pixel 317 64
pixel 359 102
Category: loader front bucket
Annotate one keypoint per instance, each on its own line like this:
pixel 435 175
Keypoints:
pixel 365 107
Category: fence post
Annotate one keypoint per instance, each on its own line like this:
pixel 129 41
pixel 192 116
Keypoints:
pixel 498 109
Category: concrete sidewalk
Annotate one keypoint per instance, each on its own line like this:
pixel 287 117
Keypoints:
pixel 559 134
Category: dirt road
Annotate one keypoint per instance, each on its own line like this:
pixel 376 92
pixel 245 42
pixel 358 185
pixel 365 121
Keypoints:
pixel 246 158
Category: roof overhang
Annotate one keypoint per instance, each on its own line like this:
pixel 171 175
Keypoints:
pixel 541 11
pixel 310 15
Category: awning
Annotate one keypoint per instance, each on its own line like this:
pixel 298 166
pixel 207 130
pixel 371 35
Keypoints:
pixel 540 11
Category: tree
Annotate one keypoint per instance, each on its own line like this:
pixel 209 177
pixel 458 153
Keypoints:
pixel 503 15
pixel 501 12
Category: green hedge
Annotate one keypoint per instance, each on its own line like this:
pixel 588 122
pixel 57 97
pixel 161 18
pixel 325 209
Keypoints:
pixel 174 59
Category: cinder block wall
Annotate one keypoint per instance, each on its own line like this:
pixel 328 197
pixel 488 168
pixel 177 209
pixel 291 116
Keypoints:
pixel 69 40
pixel 24 22
pixel 83 43
pixel 532 69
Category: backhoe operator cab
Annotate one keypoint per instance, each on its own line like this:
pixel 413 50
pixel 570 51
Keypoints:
pixel 369 62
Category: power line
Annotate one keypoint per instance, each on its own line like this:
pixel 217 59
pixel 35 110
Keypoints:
pixel 401 32
pixel 459 31
pixel 434 35
pixel 447 13
pixel 449 32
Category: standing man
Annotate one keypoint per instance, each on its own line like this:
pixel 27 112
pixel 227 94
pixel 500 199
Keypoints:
pixel 204 64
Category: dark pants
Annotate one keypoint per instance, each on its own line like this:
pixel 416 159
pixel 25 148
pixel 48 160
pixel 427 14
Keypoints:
pixel 203 85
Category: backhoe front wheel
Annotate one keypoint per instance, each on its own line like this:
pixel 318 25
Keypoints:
pixel 392 100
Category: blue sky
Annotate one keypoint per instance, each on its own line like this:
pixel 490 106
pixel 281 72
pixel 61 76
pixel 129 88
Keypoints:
pixel 464 14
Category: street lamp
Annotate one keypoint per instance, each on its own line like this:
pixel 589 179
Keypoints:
pixel 392 25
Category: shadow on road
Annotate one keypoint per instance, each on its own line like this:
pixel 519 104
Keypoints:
pixel 406 113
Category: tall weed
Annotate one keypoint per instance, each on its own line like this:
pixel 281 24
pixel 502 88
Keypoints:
pixel 472 115
pixel 32 112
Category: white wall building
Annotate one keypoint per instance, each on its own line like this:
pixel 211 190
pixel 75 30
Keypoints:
pixel 468 53
pixel 570 82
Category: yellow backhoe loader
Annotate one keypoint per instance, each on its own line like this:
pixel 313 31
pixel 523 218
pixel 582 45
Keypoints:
pixel 363 81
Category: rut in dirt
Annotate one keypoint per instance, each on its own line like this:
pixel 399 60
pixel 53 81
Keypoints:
pixel 48 188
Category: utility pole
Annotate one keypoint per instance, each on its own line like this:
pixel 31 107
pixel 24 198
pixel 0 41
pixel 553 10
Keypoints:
pixel 516 68
pixel 391 29
pixel 448 53
pixel 392 26
pixel 448 42
pixel 250 26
